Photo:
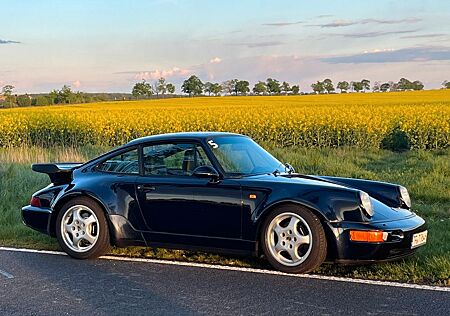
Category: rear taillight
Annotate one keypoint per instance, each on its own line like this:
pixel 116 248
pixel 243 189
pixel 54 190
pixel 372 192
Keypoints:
pixel 35 201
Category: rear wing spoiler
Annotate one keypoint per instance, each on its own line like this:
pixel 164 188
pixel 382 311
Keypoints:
pixel 58 173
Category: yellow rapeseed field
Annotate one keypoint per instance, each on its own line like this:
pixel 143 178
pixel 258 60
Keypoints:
pixel 416 119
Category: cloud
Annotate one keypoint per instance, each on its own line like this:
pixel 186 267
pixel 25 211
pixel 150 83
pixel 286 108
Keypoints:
pixel 2 41
pixel 337 23
pixel 76 83
pixel 282 23
pixel 398 21
pixel 412 54
pixel 374 34
pixel 341 23
pixel 424 36
pixel 215 60
pixel 324 16
pixel 258 44
pixel 156 74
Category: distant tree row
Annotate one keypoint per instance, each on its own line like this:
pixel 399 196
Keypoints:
pixel 403 84
pixel 193 86
pixel 65 95
pixel 145 89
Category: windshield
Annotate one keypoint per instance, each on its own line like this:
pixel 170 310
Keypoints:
pixel 242 156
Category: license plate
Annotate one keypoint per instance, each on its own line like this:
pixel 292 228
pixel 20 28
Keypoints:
pixel 419 239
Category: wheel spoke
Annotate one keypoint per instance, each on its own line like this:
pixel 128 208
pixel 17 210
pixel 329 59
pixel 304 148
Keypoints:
pixel 293 224
pixel 293 252
pixel 301 240
pixel 88 221
pixel 278 229
pixel 89 238
pixel 76 215
pixel 68 228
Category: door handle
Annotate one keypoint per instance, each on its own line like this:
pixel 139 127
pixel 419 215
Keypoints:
pixel 146 187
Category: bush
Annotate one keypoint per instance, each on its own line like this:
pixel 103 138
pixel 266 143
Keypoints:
pixel 41 100
pixel 23 100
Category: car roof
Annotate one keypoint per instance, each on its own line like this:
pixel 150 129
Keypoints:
pixel 181 136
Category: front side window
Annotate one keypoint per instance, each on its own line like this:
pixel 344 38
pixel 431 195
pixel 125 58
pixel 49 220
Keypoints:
pixel 173 159
pixel 242 156
pixel 126 162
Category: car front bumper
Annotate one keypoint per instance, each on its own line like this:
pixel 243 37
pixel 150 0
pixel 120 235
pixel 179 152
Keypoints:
pixel 397 245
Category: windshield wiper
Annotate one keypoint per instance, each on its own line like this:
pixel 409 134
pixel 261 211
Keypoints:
pixel 276 172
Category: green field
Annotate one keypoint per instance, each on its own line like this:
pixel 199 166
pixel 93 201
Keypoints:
pixel 425 173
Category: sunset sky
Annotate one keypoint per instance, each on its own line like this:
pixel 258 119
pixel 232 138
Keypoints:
pixel 109 45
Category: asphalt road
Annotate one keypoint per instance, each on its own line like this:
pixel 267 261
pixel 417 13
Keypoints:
pixel 43 284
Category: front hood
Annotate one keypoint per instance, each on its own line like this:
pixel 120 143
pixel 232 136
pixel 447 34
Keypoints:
pixel 384 209
pixel 295 179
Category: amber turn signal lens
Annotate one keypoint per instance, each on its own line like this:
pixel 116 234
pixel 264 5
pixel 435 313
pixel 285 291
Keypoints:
pixel 35 202
pixel 368 236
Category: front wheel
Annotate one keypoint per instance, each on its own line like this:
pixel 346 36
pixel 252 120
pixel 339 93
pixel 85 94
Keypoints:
pixel 293 240
pixel 82 230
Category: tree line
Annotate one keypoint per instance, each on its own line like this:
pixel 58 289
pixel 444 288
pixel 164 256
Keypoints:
pixel 193 86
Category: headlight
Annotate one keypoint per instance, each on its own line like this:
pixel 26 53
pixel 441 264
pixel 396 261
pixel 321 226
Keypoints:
pixel 404 195
pixel 366 203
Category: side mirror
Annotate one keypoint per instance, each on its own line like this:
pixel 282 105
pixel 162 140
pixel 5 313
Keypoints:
pixel 206 172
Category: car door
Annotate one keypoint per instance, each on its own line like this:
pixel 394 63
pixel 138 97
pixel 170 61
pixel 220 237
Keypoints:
pixel 175 203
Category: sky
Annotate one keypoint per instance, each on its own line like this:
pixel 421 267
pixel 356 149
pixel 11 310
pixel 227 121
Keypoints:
pixel 107 46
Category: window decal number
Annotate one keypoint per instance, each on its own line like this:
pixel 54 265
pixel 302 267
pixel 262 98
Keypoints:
pixel 213 144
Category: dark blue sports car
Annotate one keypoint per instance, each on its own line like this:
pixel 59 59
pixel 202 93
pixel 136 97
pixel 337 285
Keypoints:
pixel 221 192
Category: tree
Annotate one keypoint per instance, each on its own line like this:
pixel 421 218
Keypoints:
pixel 417 85
pixel 343 86
pixel 393 86
pixel 207 88
pixel 142 89
pixel 160 86
pixel 273 86
pixel 41 101
pixel 328 85
pixel 295 89
pixel 285 88
pixel 385 87
pixel 446 84
pixel 229 86
pixel 23 100
pixel 357 86
pixel 192 86
pixel 318 87
pixel 170 88
pixel 404 84
pixel 365 85
pixel 260 88
pixel 242 87
pixel 216 89
pixel 376 86
pixel 9 98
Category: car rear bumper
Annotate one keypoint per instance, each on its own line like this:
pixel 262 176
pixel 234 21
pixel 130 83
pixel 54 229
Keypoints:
pixel 397 245
pixel 37 218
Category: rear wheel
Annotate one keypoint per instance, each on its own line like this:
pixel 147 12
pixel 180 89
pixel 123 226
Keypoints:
pixel 293 240
pixel 82 230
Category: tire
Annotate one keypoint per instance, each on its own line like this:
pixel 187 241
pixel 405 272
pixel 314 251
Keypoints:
pixel 293 239
pixel 82 230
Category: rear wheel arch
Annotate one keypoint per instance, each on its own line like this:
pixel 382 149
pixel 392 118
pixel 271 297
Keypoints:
pixel 66 198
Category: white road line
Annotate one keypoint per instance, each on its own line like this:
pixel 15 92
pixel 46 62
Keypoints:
pixel 6 274
pixel 251 270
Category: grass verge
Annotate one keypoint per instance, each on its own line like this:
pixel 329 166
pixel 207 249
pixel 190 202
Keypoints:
pixel 425 173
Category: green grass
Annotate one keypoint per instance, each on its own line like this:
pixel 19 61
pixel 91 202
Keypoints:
pixel 425 173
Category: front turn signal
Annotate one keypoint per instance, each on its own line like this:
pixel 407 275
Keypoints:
pixel 368 235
